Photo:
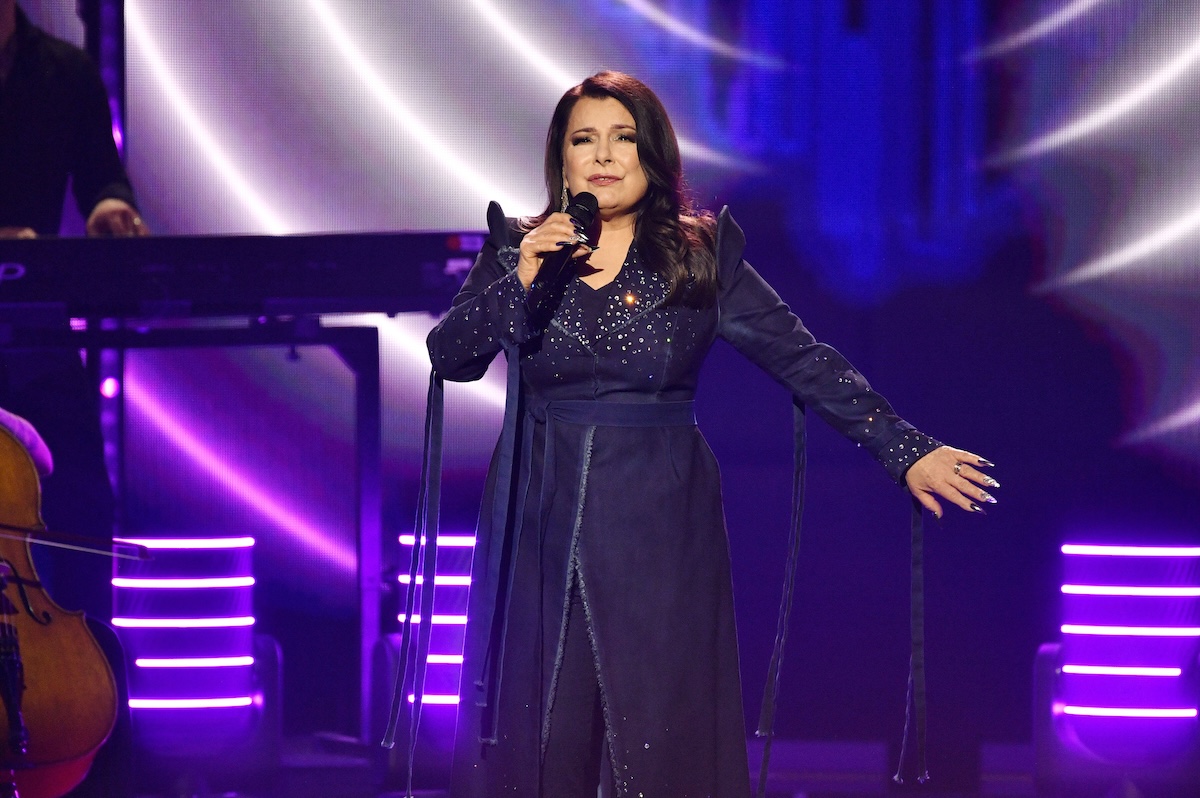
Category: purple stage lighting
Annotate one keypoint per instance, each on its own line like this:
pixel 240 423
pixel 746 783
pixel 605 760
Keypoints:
pixel 434 698
pixel 185 617
pixel 452 585
pixel 193 662
pixel 1125 689
pixel 190 703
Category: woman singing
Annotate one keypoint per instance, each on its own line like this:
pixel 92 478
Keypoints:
pixel 601 615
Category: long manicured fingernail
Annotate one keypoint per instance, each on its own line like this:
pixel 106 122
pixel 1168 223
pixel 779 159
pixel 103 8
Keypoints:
pixel 991 483
pixel 975 508
pixel 987 497
pixel 984 462
pixel 566 243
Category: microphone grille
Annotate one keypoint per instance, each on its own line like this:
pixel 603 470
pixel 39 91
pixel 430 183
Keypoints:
pixel 583 208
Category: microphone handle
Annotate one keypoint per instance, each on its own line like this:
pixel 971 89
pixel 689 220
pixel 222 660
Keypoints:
pixel 551 280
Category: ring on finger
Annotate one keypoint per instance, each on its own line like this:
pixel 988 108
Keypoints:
pixel 957 469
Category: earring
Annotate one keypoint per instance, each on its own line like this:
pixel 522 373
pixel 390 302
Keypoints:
pixel 563 199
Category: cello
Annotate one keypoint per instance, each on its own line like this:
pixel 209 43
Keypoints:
pixel 58 698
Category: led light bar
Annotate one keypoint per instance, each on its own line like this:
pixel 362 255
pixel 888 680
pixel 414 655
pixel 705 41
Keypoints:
pixel 1130 712
pixel 1130 551
pixel 183 584
pixel 462 541
pixel 1132 631
pixel 434 698
pixel 190 703
pixel 189 543
pixel 447 579
pixel 437 620
pixel 193 662
pixel 1132 590
pixel 182 623
pixel 445 659
pixel 1115 670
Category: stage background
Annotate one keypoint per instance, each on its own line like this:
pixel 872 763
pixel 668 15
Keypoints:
pixel 990 207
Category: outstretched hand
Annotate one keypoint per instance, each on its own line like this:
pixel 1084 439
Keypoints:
pixel 954 475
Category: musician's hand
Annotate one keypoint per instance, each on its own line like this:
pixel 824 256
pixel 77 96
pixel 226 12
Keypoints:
pixel 559 230
pixel 114 218
pixel 17 232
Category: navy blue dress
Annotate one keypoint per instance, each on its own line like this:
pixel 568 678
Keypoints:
pixel 613 492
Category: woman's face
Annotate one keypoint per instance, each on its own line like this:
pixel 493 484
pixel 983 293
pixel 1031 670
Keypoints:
pixel 600 155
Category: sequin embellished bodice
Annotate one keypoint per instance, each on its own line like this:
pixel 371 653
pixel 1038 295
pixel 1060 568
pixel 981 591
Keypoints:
pixel 618 342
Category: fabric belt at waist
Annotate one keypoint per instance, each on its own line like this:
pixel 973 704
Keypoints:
pixel 614 414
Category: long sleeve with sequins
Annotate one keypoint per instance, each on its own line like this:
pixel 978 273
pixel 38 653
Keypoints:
pixel 762 327
pixel 488 314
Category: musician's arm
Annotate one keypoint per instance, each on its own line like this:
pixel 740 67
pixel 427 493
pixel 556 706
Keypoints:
pixel 101 186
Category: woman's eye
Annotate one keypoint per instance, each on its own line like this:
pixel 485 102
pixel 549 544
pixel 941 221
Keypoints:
pixel 580 140
pixel 627 137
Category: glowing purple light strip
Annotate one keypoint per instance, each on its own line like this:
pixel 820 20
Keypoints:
pixel 461 541
pixel 437 620
pixel 434 698
pixel 1114 670
pixel 1131 551
pixel 190 703
pixel 445 659
pixel 190 543
pixel 236 481
pixel 1131 590
pixel 1127 712
pixel 183 623
pixel 182 584
pixel 453 580
pixel 193 662
pixel 1131 631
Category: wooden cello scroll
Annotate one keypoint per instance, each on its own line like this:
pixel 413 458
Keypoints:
pixel 58 696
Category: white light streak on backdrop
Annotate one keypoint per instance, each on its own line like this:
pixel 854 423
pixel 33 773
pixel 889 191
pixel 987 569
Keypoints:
pixel 333 115
pixel 1111 100
pixel 214 156
pixel 1038 30
pixel 690 33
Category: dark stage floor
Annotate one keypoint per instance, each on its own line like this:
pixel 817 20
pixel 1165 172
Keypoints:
pixel 317 767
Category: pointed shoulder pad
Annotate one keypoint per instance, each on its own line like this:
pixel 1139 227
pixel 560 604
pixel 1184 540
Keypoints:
pixel 731 242
pixel 498 226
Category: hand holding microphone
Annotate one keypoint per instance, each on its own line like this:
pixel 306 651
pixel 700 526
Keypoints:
pixel 547 250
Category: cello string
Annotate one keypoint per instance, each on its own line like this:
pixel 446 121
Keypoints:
pixel 38 536
pixel 70 546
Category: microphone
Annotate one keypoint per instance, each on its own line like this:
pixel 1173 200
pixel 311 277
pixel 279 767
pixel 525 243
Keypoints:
pixel 552 278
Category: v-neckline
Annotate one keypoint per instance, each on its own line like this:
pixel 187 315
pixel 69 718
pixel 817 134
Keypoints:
pixel 616 275
pixel 602 286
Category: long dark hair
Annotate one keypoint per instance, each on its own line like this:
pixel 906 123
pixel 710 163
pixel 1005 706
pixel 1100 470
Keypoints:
pixel 673 237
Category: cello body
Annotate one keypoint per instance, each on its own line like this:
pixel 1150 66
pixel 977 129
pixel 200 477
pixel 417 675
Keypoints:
pixel 58 698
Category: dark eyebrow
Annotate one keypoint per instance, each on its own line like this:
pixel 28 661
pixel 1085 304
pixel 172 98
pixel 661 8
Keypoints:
pixel 621 126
